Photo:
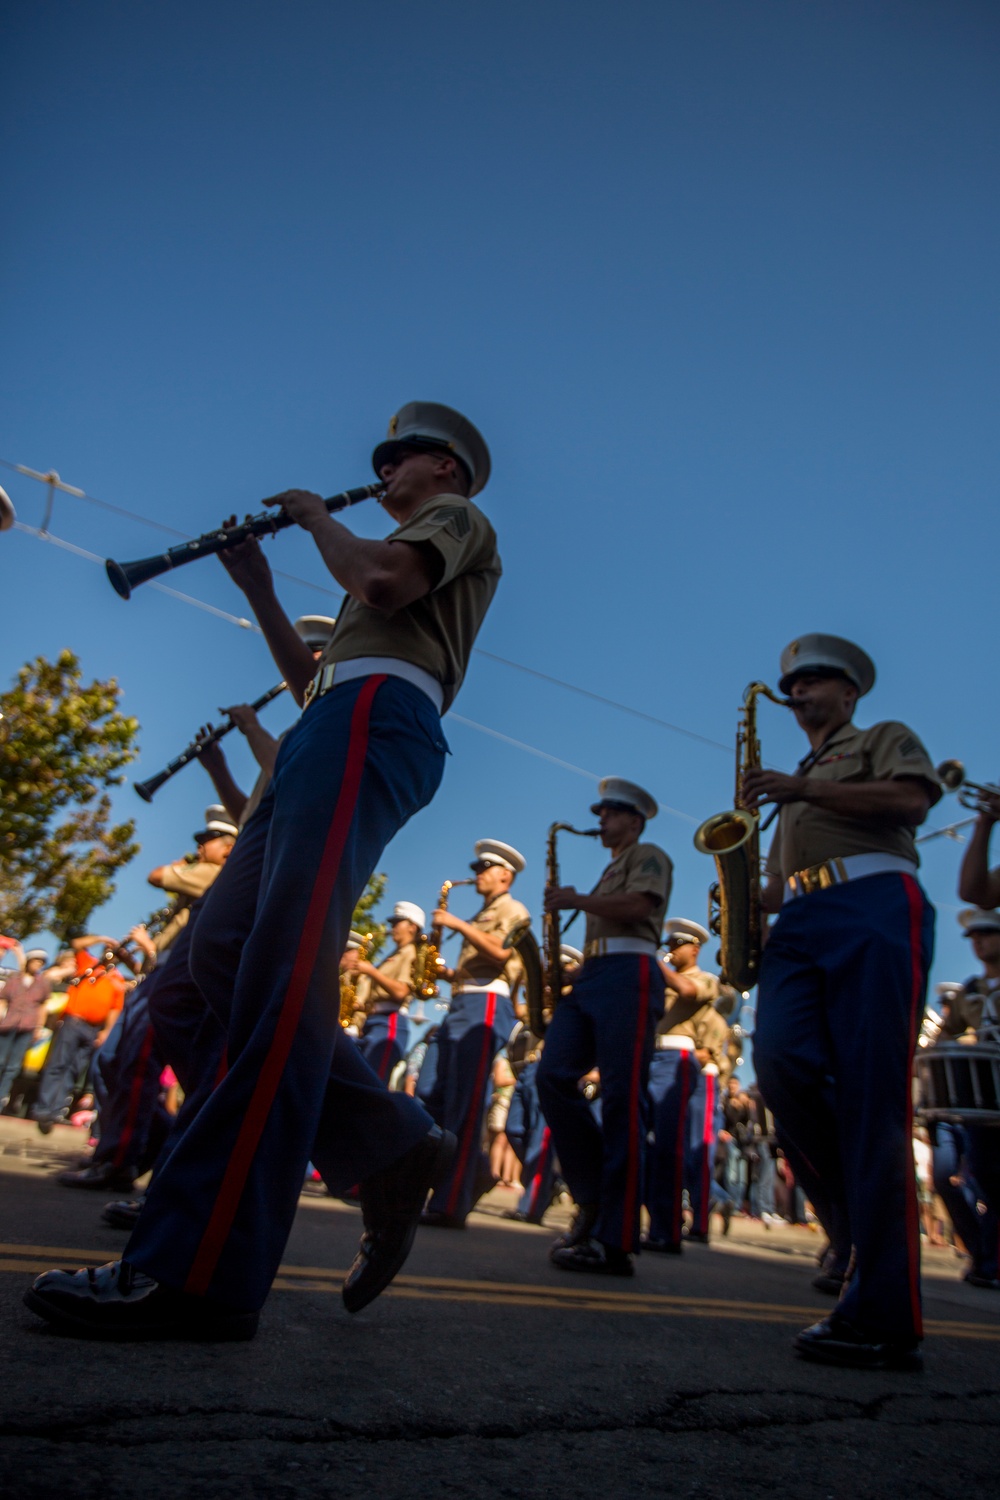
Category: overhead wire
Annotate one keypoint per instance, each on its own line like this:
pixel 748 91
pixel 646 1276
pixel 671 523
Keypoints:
pixel 571 687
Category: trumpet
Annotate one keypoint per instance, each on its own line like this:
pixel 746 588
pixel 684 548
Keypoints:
pixel 425 984
pixel 124 577
pixel 975 795
pixel 147 789
pixel 732 838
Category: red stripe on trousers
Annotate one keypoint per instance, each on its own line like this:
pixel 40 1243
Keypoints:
pixel 383 1066
pixel 238 1167
pixel 630 1202
pixel 474 1119
pixel 682 1120
pixel 135 1095
pixel 536 1181
pixel 915 903
pixel 708 1137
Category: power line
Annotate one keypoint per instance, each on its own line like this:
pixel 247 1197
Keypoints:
pixel 570 687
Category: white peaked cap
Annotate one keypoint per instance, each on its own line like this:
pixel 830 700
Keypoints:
pixel 569 954
pixel 616 789
pixel 690 932
pixel 977 919
pixel 315 630
pixel 499 854
pixel 408 911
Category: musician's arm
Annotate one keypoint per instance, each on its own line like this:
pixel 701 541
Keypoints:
pixel 250 571
pixel 213 759
pixel 977 883
pixel 384 575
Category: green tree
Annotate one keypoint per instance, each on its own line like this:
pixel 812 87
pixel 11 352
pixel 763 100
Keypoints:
pixel 66 742
pixel 362 919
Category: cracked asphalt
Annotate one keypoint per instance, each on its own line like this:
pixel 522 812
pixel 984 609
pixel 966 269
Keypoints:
pixel 483 1372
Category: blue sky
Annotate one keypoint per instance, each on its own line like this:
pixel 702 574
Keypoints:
pixel 716 280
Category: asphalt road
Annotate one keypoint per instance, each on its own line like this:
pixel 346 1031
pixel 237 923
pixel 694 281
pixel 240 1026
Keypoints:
pixel 483 1371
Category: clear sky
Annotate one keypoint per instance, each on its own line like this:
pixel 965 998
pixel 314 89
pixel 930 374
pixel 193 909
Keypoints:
pixel 716 280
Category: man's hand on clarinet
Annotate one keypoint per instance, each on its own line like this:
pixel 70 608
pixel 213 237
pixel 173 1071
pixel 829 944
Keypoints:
pixel 761 786
pixel 245 562
pixel 302 506
pixel 211 753
pixel 242 715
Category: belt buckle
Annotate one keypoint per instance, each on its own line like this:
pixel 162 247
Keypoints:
pixel 311 691
pixel 817 878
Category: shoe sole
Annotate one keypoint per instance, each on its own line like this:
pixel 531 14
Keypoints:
pixel 905 1363
pixel 438 1171
pixel 236 1328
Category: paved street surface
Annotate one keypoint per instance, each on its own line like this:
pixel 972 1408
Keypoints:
pixel 483 1371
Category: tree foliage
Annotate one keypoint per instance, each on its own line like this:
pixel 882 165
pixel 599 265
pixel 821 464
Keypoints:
pixel 362 919
pixel 65 746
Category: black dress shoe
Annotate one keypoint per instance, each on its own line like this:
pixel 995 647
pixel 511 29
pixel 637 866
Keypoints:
pixel 975 1278
pixel 391 1201
pixel 696 1237
pixel 123 1215
pixel 431 1219
pixel 603 1260
pixel 661 1247
pixel 516 1216
pixel 580 1230
pixel 835 1341
pixel 101 1176
pixel 831 1282
pixel 45 1126
pixel 118 1302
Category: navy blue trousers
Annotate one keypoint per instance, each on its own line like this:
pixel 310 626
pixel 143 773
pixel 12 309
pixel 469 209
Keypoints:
pixel 384 1042
pixel 979 1231
pixel 531 1140
pixel 360 761
pixel 608 1020
pixel 674 1080
pixel 133 1122
pixel 984 1160
pixel 470 1036
pixel 706 1114
pixel 842 988
pixel 70 1056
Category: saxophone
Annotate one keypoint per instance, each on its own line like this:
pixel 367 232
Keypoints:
pixel 349 985
pixel 425 982
pixel 732 838
pixel 541 1006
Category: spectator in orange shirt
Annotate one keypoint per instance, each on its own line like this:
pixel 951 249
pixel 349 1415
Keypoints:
pixel 95 1000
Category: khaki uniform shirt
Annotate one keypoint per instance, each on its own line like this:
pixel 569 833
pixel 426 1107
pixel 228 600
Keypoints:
pixel 436 632
pixel 697 1017
pixel 496 919
pixel 807 835
pixel 966 1010
pixel 188 882
pixel 399 966
pixel 642 867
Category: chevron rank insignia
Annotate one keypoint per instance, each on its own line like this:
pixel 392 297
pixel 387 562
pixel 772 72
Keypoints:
pixel 454 519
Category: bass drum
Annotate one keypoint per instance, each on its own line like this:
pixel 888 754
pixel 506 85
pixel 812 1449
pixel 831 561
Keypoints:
pixel 960 1082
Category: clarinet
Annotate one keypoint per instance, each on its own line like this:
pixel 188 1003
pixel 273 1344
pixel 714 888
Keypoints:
pixel 147 789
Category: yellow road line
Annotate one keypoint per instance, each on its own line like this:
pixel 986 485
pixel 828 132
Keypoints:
pixel 28 1259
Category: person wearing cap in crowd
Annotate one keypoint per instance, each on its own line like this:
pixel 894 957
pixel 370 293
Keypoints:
pixel 366 754
pixel 966 1157
pixel 386 1033
pixel 842 985
pixel 478 1023
pixel 683 1087
pixel 608 1020
pixel 133 1126
pixel 96 996
pixel 24 994
pixel 527 1129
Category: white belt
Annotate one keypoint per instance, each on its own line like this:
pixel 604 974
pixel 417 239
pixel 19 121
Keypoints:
pixel 498 987
pixel 368 666
pixel 846 867
pixel 598 947
pixel 386 1008
pixel 674 1042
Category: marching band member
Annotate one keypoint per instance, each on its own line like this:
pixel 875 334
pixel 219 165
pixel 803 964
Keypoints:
pixel 478 1023
pixel 690 1039
pixel 842 985
pixel 384 1037
pixel 608 1019
pixel 367 753
pixel 130 1139
pixel 527 1129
